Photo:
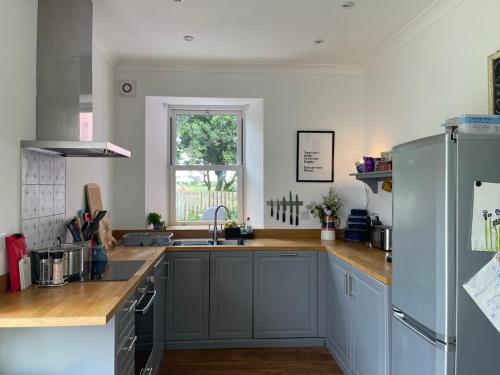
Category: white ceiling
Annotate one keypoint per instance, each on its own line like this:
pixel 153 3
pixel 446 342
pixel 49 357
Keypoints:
pixel 251 31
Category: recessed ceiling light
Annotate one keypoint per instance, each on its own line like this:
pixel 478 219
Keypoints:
pixel 188 38
pixel 319 41
pixel 347 4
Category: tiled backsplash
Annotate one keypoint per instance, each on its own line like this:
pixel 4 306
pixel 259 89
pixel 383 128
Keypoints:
pixel 43 201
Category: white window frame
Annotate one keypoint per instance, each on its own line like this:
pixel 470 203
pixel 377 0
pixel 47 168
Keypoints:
pixel 173 167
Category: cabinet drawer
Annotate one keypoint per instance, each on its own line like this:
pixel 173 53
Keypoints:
pixel 125 353
pixel 125 318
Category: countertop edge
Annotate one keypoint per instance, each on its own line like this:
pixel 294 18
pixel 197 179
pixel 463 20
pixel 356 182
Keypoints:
pixel 343 248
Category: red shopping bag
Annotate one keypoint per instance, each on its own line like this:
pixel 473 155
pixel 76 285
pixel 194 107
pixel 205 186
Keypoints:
pixel 16 249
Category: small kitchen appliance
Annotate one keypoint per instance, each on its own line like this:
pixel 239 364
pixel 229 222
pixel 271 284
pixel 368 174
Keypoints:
pixel 381 237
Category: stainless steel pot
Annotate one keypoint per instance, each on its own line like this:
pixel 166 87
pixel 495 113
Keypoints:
pixel 74 258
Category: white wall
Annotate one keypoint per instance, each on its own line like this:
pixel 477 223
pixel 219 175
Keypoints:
pixel 17 104
pixel 81 171
pixel 439 73
pixel 291 102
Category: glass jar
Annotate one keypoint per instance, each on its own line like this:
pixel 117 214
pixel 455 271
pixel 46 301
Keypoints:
pixel 45 268
pixel 57 267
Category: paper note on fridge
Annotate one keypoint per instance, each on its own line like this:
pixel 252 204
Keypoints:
pixel 485 235
pixel 484 288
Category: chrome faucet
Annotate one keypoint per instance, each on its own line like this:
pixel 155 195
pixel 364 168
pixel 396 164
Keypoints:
pixel 215 221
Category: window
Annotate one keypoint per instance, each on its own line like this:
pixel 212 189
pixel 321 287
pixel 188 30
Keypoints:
pixel 206 167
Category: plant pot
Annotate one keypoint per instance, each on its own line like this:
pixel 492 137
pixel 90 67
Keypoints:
pixel 232 233
pixel 157 226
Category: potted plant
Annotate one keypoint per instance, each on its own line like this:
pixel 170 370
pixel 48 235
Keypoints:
pixel 327 212
pixel 155 219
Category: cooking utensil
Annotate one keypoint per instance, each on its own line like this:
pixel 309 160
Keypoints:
pixel 74 230
pixel 25 272
pixel 272 208
pixel 94 201
pixel 85 227
pixel 94 225
pixel 296 209
pixel 291 209
pixel 73 261
pixel 277 209
pixel 284 209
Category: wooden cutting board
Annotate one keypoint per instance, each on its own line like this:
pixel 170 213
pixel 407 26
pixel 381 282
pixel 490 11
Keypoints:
pixel 94 202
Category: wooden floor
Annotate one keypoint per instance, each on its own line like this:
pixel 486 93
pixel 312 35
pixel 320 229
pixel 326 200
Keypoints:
pixel 295 361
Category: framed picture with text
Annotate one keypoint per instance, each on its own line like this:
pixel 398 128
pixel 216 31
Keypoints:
pixel 494 83
pixel 315 151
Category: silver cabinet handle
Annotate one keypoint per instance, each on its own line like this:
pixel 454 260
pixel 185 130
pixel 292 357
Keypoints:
pixel 345 283
pixel 146 308
pixel 146 371
pixel 132 343
pixel 206 269
pixel 131 307
pixel 288 255
pixel 349 285
pixel 167 270
pixel 158 263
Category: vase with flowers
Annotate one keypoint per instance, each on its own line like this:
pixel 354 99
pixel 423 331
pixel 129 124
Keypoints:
pixel 327 211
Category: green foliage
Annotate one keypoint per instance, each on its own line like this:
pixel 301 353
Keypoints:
pixel 154 218
pixel 209 140
pixel 329 206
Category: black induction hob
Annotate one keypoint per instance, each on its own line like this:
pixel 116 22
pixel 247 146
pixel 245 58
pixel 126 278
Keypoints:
pixel 118 270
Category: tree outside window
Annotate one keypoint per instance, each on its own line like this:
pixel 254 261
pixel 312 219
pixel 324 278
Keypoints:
pixel 207 168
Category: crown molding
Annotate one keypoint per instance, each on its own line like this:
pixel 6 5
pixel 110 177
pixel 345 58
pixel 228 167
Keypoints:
pixel 100 43
pixel 263 68
pixel 425 19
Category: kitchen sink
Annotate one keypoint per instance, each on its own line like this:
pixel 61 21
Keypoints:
pixel 206 242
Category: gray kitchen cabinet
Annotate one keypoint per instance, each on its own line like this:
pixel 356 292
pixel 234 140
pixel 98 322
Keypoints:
pixel 370 329
pixel 187 290
pixel 159 313
pixel 231 299
pixel 125 337
pixel 285 294
pixel 358 320
pixel 339 311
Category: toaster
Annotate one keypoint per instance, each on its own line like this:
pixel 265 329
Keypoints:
pixel 381 237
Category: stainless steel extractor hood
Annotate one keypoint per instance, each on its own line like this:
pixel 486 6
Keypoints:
pixel 64 110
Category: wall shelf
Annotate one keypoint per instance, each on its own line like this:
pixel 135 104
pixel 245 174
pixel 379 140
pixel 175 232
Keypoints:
pixel 372 178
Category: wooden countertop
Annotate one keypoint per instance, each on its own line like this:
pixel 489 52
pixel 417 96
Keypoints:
pixel 76 304
pixel 95 303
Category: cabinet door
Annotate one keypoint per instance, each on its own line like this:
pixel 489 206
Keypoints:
pixel 370 334
pixel 159 311
pixel 187 296
pixel 339 311
pixel 231 275
pixel 285 294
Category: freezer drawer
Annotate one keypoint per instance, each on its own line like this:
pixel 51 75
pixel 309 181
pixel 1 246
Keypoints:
pixel 412 354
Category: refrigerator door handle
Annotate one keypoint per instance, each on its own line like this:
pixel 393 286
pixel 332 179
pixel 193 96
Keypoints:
pixel 400 316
